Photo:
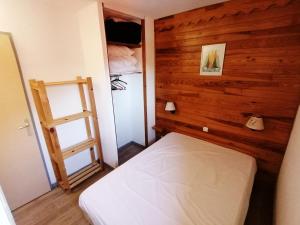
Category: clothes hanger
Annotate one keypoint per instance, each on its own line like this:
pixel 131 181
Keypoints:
pixel 118 79
pixel 117 86
pixel 117 83
pixel 114 88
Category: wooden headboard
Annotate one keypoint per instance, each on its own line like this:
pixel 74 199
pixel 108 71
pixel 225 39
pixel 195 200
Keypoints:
pixel 261 75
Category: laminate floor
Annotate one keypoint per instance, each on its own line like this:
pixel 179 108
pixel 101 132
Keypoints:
pixel 56 207
pixel 61 208
pixel 260 210
pixel 128 151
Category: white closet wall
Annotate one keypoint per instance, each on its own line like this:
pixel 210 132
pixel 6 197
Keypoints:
pixel 150 60
pixel 129 107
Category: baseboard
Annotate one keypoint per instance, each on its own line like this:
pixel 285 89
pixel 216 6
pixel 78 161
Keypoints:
pixel 130 143
pixel 53 185
pixel 108 166
pixel 137 144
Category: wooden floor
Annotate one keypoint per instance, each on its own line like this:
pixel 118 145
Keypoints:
pixel 60 208
pixel 56 207
pixel 128 151
pixel 260 211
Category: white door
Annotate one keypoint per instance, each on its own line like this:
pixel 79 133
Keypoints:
pixel 22 172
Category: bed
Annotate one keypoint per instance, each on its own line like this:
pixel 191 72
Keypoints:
pixel 178 180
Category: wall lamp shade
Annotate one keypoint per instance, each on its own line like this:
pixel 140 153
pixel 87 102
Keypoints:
pixel 170 107
pixel 255 123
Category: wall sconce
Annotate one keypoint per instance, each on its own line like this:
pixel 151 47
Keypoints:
pixel 255 123
pixel 170 107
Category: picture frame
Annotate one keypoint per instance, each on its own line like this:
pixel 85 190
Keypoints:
pixel 212 59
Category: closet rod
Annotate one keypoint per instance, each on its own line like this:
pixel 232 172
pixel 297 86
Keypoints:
pixel 118 75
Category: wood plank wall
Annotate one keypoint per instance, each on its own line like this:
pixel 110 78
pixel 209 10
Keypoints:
pixel 261 75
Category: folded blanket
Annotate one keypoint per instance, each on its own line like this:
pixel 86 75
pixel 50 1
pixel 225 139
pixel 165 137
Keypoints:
pixel 122 64
pixel 115 50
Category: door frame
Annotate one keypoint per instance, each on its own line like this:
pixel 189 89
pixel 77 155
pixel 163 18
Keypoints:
pixel 143 66
pixel 28 106
pixel 145 81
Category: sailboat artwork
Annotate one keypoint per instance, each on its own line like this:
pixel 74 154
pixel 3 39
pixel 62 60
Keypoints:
pixel 212 58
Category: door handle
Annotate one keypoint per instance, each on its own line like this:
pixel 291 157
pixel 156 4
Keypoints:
pixel 26 124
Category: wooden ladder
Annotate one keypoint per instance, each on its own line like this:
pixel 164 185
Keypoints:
pixel 48 123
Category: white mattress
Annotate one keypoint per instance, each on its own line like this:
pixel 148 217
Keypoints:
pixel 178 180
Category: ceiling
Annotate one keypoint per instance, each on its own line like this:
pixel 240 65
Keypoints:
pixel 161 8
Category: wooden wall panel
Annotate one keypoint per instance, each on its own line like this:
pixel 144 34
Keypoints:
pixel 261 75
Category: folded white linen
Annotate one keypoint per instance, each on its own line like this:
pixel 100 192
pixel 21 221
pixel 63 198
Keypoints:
pixel 115 50
pixel 122 64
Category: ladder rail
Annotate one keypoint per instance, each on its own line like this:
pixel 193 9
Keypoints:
pixel 95 118
pixel 48 123
pixel 86 120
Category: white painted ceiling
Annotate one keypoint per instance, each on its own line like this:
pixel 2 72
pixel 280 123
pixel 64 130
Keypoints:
pixel 161 8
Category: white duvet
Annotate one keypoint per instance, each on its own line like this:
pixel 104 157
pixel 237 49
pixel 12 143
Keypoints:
pixel 178 180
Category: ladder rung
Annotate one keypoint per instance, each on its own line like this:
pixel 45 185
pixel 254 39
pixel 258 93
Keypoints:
pixel 74 149
pixel 71 177
pixel 79 81
pixel 67 119
pixel 83 174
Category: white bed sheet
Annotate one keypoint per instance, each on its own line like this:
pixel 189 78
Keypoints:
pixel 178 180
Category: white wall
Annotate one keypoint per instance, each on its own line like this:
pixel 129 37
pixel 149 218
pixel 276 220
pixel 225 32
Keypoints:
pixel 91 23
pixel 288 184
pixel 36 34
pixel 129 111
pixel 52 44
pixel 150 72
pixel 129 106
pixel 57 40
pixel 137 109
pixel 122 109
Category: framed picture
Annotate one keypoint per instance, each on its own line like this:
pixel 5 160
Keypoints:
pixel 212 58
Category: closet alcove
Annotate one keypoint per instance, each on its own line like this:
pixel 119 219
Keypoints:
pixel 125 37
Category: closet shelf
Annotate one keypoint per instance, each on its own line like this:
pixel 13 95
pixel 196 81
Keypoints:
pixel 66 119
pixel 81 146
pixel 83 174
pixel 124 44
